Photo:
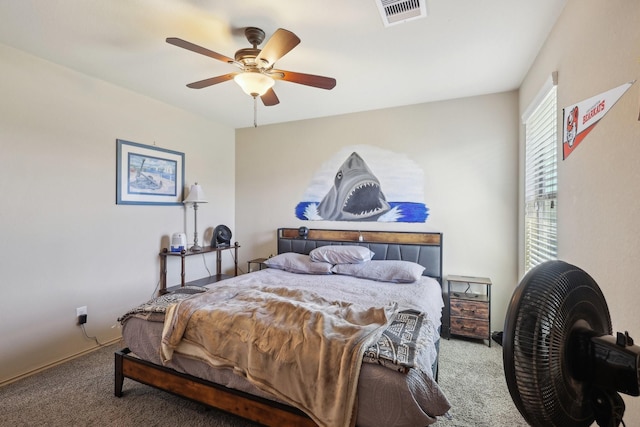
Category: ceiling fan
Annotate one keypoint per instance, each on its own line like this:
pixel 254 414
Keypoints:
pixel 257 75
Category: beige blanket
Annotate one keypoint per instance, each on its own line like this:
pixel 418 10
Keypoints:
pixel 302 348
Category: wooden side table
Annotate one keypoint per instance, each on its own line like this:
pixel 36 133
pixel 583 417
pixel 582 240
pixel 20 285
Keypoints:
pixel 199 282
pixel 469 300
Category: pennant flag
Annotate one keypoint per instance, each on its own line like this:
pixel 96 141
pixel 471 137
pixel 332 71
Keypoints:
pixel 579 119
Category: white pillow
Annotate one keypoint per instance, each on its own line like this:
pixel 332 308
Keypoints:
pixel 382 271
pixel 341 254
pixel 298 263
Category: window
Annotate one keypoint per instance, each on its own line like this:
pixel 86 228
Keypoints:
pixel 540 181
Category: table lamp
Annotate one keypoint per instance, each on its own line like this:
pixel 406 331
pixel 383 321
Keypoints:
pixel 196 195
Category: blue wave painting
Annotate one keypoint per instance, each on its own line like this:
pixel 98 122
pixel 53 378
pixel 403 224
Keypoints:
pixel 400 212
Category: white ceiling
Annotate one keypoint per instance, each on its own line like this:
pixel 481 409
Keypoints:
pixel 462 48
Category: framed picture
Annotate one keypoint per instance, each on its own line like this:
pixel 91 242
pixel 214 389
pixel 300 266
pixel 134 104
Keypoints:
pixel 148 175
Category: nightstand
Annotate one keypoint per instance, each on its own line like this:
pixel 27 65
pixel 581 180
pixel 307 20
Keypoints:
pixel 469 300
pixel 259 261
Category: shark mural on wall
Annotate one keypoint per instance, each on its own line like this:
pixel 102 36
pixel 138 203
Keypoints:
pixel 356 194
pixel 353 192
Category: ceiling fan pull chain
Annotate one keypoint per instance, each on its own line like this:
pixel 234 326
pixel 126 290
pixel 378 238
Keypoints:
pixel 255 111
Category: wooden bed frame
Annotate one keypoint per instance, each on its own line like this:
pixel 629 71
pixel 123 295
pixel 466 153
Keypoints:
pixel 422 247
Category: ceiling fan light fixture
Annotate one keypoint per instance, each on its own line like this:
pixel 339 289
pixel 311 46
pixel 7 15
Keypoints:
pixel 254 83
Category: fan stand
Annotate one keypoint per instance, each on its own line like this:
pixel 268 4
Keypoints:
pixel 608 408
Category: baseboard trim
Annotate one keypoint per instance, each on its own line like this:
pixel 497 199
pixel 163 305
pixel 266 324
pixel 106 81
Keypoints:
pixel 59 362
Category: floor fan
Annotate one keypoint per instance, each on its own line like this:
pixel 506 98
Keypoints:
pixel 562 364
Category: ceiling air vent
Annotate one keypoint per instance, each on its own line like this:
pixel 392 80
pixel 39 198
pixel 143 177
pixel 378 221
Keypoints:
pixel 398 11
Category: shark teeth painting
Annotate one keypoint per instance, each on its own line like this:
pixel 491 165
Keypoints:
pixel 355 195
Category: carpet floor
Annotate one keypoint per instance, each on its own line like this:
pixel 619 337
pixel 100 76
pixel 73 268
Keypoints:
pixel 472 377
pixel 80 393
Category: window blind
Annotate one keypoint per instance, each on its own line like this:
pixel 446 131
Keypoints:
pixel 541 182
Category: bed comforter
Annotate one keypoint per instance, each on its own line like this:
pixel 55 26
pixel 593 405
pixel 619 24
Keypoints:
pixel 294 344
pixel 384 396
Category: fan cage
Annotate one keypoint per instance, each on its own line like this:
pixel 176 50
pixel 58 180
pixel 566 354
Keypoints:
pixel 221 236
pixel 551 301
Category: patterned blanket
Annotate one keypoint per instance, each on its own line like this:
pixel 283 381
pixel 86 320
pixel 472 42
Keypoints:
pixel 159 305
pixel 396 348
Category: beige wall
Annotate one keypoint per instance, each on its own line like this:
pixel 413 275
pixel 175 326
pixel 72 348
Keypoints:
pixel 595 46
pixel 467 149
pixel 65 243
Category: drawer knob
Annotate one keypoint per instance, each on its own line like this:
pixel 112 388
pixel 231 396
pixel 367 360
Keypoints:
pixel 470 311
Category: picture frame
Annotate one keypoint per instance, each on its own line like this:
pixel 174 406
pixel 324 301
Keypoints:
pixel 148 175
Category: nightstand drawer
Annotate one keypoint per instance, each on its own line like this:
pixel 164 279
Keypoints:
pixel 470 327
pixel 471 309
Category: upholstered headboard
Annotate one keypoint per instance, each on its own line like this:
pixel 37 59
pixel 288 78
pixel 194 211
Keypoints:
pixel 424 248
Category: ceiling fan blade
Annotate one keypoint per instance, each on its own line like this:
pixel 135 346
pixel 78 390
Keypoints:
pixel 280 43
pixel 198 49
pixel 269 98
pixel 304 79
pixel 212 81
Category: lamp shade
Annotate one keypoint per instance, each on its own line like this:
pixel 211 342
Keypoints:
pixel 196 195
pixel 254 83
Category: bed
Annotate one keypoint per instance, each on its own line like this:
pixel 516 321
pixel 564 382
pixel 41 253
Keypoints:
pixel 379 392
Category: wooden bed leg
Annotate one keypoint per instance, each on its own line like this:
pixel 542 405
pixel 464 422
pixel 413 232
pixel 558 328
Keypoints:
pixel 119 376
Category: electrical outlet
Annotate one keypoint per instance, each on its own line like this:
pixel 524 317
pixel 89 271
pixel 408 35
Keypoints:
pixel 81 312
